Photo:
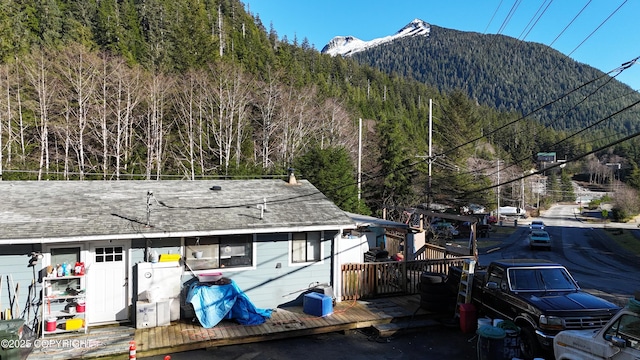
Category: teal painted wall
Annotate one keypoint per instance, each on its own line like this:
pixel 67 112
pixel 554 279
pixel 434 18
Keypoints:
pixel 273 282
pixel 14 264
pixel 269 286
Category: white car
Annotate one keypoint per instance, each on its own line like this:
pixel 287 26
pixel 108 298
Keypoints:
pixel 539 238
pixel 536 225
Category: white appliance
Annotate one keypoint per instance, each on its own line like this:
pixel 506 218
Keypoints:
pixel 159 282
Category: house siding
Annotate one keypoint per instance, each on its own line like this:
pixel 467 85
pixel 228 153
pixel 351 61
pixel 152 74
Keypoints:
pixel 15 271
pixel 266 284
pixel 278 286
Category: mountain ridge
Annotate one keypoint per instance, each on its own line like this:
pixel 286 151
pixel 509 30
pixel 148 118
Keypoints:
pixel 349 45
pixel 507 74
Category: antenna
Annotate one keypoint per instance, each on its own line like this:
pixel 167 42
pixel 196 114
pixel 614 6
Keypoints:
pixel 149 197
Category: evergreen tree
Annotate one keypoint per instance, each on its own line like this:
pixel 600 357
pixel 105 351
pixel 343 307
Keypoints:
pixel 332 172
pixel 554 193
pixel 566 186
pixel 396 191
pixel 634 177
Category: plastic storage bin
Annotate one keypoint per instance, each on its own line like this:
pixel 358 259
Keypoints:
pixel 317 304
pixel 468 319
pixel 74 324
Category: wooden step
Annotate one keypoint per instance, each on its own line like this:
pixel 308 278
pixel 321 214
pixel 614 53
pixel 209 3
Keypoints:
pixel 389 329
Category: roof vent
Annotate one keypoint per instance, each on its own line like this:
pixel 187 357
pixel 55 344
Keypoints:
pixel 216 188
pixel 292 177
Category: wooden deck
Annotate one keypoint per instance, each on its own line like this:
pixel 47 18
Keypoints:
pixel 113 342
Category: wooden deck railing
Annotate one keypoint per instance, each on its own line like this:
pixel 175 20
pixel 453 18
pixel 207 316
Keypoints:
pixel 373 279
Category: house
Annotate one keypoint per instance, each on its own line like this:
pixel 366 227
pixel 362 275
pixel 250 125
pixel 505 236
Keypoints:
pixel 275 238
pixel 375 233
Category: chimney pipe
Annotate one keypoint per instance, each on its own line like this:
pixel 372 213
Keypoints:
pixel 292 177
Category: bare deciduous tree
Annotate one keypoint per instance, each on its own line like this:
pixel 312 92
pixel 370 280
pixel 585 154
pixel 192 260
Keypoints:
pixel 299 119
pixel 186 106
pixel 127 84
pixel 78 66
pixel 38 70
pixel 155 128
pixel 268 99
pixel 233 94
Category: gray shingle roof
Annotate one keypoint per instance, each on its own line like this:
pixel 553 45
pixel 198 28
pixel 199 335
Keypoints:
pixel 42 211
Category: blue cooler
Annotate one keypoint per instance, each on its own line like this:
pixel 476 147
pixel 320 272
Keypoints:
pixel 317 304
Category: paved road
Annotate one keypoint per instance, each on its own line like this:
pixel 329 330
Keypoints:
pixel 598 264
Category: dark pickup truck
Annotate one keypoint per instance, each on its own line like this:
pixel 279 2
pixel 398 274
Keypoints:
pixel 541 297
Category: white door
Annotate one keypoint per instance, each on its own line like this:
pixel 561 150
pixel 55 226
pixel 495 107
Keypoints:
pixel 107 286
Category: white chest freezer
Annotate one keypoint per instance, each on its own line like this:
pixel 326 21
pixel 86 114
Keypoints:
pixel 159 282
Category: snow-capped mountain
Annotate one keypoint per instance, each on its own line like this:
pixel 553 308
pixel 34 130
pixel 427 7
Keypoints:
pixel 349 45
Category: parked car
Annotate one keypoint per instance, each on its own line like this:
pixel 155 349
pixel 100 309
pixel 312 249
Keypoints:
pixel 444 229
pixel 539 239
pixel 536 225
pixel 618 339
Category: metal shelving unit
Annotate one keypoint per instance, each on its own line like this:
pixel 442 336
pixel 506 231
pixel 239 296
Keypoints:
pixel 63 300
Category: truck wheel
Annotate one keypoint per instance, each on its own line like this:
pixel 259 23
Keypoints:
pixel 529 343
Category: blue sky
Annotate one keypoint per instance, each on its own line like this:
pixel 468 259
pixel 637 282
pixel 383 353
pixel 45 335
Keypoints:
pixel 599 36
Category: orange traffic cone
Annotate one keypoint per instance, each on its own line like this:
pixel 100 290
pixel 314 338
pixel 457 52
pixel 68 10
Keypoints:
pixel 132 350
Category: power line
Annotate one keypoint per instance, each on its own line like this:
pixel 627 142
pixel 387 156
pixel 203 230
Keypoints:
pixel 570 23
pixel 520 37
pixel 626 138
pixel 492 17
pixel 597 28
pixel 507 19
pixel 539 108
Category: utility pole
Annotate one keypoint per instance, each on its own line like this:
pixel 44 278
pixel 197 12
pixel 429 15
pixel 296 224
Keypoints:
pixel 359 159
pixel 430 156
pixel 430 153
pixel 522 203
pixel 498 209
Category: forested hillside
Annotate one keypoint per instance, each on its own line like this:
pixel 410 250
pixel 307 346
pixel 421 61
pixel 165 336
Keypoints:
pixel 513 75
pixel 200 89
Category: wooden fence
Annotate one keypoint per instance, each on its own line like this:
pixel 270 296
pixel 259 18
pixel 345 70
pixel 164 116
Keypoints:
pixel 374 279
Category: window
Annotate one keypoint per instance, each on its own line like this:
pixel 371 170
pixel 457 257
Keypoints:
pixel 497 276
pixel 212 252
pixel 109 254
pixel 628 328
pixel 305 247
pixel 540 279
pixel 69 255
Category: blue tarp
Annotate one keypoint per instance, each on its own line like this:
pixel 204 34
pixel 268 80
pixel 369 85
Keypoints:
pixel 213 303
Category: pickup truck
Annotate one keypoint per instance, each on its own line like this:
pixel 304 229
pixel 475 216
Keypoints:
pixel 541 298
pixel 618 339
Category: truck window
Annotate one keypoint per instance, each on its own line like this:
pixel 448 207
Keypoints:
pixel 497 275
pixel 523 279
pixel 628 328
pixel 540 279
